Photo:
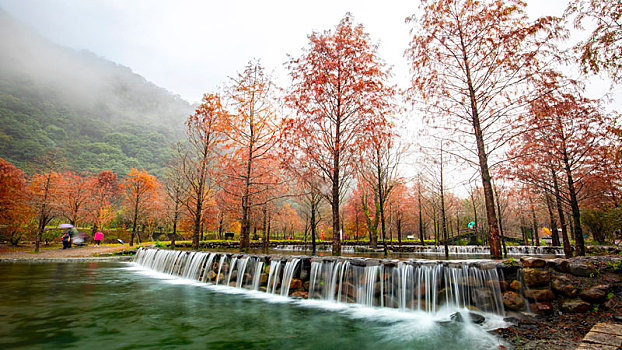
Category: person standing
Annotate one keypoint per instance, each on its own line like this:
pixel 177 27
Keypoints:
pixel 98 238
pixel 66 238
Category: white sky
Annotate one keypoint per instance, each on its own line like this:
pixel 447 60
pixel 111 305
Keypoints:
pixel 190 47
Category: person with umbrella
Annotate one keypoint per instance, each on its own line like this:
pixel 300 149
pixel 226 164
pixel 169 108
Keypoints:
pixel 66 238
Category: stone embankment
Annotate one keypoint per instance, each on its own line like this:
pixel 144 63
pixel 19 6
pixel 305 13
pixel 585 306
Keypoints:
pixel 548 286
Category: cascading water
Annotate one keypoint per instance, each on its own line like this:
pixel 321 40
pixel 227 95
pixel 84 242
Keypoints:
pixel 288 273
pixel 440 250
pixel 417 285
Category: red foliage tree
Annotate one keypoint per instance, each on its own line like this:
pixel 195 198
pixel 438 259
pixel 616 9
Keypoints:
pixel 566 133
pixel 75 196
pixel 473 63
pixel 103 193
pixel 140 191
pixel 14 211
pixel 339 91
pixel 251 131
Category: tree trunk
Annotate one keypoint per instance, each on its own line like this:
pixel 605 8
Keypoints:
pixel 266 239
pixel 475 221
pixel 576 214
pixel 135 219
pixel 505 248
pixel 381 201
pixel 421 235
pixel 43 217
pixel 493 229
pixel 399 232
pixel 562 218
pixel 552 221
pixel 443 218
pixel 535 240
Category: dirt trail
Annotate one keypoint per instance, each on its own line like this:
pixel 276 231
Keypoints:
pixel 74 252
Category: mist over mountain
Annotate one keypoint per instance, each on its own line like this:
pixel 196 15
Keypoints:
pixel 96 113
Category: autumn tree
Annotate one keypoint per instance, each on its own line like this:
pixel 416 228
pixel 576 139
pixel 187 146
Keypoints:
pixel 139 189
pixel 175 190
pixel 473 63
pixel 14 210
pixel 44 190
pixel 251 132
pixel 569 134
pixel 198 158
pixel 602 50
pixel 103 195
pixel 75 194
pixel 339 90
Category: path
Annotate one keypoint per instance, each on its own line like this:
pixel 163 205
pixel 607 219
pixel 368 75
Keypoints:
pixel 74 252
pixel 605 336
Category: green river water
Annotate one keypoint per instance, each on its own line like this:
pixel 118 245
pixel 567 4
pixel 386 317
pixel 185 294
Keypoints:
pixel 117 305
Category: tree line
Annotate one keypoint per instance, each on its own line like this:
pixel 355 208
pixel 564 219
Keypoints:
pixel 486 80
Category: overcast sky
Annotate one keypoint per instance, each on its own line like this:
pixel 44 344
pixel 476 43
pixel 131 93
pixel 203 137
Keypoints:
pixel 190 47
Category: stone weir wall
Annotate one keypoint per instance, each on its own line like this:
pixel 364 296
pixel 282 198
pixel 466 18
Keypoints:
pixel 529 285
pixel 547 286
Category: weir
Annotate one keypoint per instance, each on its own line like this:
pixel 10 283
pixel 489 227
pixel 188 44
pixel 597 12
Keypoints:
pixel 418 285
pixel 519 250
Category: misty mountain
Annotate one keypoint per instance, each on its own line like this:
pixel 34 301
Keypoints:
pixel 98 114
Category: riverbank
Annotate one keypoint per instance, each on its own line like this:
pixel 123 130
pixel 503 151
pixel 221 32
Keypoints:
pixel 58 253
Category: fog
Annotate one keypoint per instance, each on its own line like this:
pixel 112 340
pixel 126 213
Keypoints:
pixel 82 80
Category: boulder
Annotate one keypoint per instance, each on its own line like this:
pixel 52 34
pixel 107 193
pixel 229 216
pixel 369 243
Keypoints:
pixel 513 301
pixel 539 294
pixel 561 265
pixel 581 269
pixel 475 317
pixel 211 275
pixel 306 285
pixel 503 285
pixel 536 277
pixel 533 262
pixel 596 293
pixel 573 306
pixel 544 308
pixel 263 279
pixel 516 285
pixel 300 294
pixel 295 284
pixel 564 286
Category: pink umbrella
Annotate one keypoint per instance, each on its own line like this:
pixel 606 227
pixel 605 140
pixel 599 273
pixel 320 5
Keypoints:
pixel 98 236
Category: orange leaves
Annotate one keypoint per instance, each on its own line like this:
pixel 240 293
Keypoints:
pixel 14 210
pixel 140 192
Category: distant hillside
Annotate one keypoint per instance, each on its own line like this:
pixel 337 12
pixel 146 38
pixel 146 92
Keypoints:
pixel 99 114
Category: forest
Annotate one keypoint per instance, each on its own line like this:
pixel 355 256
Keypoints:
pixel 98 115
pixel 326 158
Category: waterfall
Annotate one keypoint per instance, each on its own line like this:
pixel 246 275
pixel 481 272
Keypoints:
pixel 288 273
pixel 231 268
pixel 408 285
pixel 273 276
pixel 241 270
pixel 222 261
pixel 257 274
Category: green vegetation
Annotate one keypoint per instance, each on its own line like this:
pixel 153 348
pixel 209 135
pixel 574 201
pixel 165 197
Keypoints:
pixel 511 262
pixel 98 115
pixel 615 265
